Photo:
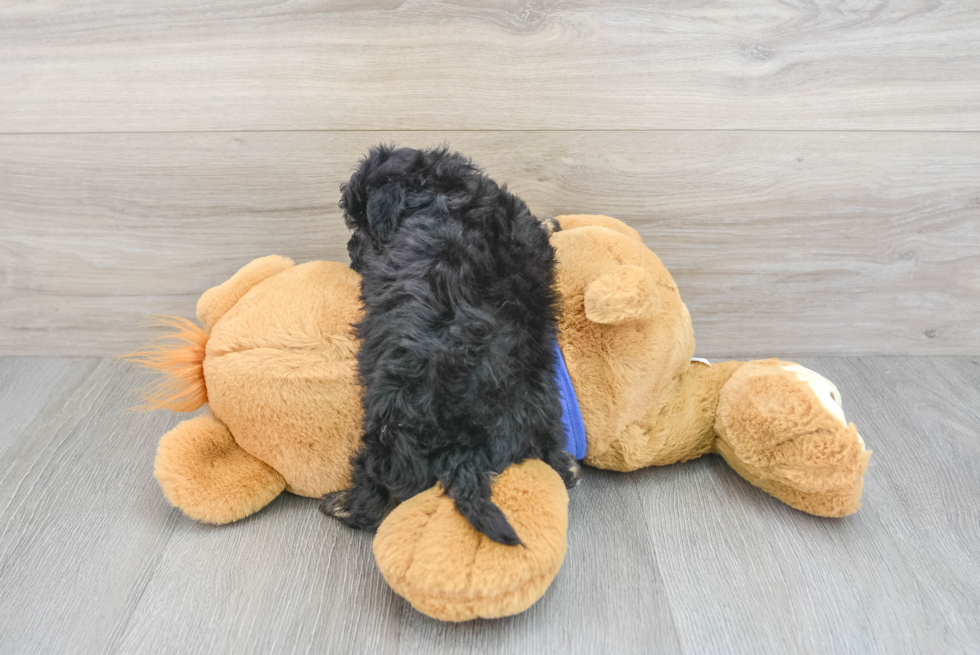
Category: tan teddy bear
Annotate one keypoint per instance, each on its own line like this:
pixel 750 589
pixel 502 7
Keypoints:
pixel 276 363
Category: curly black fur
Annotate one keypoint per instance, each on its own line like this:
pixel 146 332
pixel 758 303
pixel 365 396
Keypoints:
pixel 456 358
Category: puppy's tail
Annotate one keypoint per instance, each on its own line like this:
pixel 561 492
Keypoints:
pixel 471 492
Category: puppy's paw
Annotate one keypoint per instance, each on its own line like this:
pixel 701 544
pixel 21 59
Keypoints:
pixel 551 225
pixel 573 475
pixel 567 467
pixel 335 505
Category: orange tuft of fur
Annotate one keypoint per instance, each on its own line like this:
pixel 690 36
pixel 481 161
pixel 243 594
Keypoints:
pixel 179 357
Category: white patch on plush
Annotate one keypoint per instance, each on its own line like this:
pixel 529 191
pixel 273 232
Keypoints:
pixel 826 392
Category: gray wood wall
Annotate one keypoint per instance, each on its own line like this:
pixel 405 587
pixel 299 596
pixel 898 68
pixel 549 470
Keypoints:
pixel 809 171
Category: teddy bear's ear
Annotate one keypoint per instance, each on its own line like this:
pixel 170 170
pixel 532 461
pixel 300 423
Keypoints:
pixel 625 293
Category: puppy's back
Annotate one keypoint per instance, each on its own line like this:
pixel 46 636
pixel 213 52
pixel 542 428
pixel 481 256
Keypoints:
pixel 456 353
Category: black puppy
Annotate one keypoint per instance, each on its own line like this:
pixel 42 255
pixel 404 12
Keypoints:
pixel 456 358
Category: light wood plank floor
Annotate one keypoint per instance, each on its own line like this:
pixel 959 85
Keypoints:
pixel 682 559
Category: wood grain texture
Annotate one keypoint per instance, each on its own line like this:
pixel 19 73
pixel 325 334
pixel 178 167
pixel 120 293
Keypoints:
pixel 81 522
pixel 285 580
pixel 26 384
pixel 489 64
pixel 796 243
pixel 680 559
pixel 931 475
pixel 806 169
pixel 900 576
pixel 596 604
pixel 291 581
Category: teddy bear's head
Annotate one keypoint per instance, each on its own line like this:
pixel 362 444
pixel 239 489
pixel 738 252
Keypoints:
pixel 624 331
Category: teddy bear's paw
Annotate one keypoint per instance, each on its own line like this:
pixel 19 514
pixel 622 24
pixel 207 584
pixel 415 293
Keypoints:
pixel 781 427
pixel 433 557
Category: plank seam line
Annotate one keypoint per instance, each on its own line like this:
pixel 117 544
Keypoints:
pixel 126 625
pixel 494 131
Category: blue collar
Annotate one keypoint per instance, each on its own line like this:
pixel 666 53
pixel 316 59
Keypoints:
pixel 571 415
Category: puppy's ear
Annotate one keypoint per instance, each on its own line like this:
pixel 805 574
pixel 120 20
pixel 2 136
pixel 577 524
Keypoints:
pixel 384 209
pixel 371 203
pixel 374 198
pixel 354 194
pixel 380 218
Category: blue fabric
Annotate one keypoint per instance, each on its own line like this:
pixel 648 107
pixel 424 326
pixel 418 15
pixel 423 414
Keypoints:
pixel 571 415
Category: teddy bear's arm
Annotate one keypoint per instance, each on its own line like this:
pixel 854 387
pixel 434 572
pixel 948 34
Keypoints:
pixel 218 300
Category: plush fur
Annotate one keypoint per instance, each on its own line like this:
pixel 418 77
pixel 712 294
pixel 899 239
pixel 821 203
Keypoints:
pixel 458 579
pixel 279 367
pixel 276 364
pixel 203 470
pixel 456 355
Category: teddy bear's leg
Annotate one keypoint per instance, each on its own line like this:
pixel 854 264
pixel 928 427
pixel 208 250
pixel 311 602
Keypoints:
pixel 211 478
pixel 433 557
pixel 218 300
pixel 781 427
